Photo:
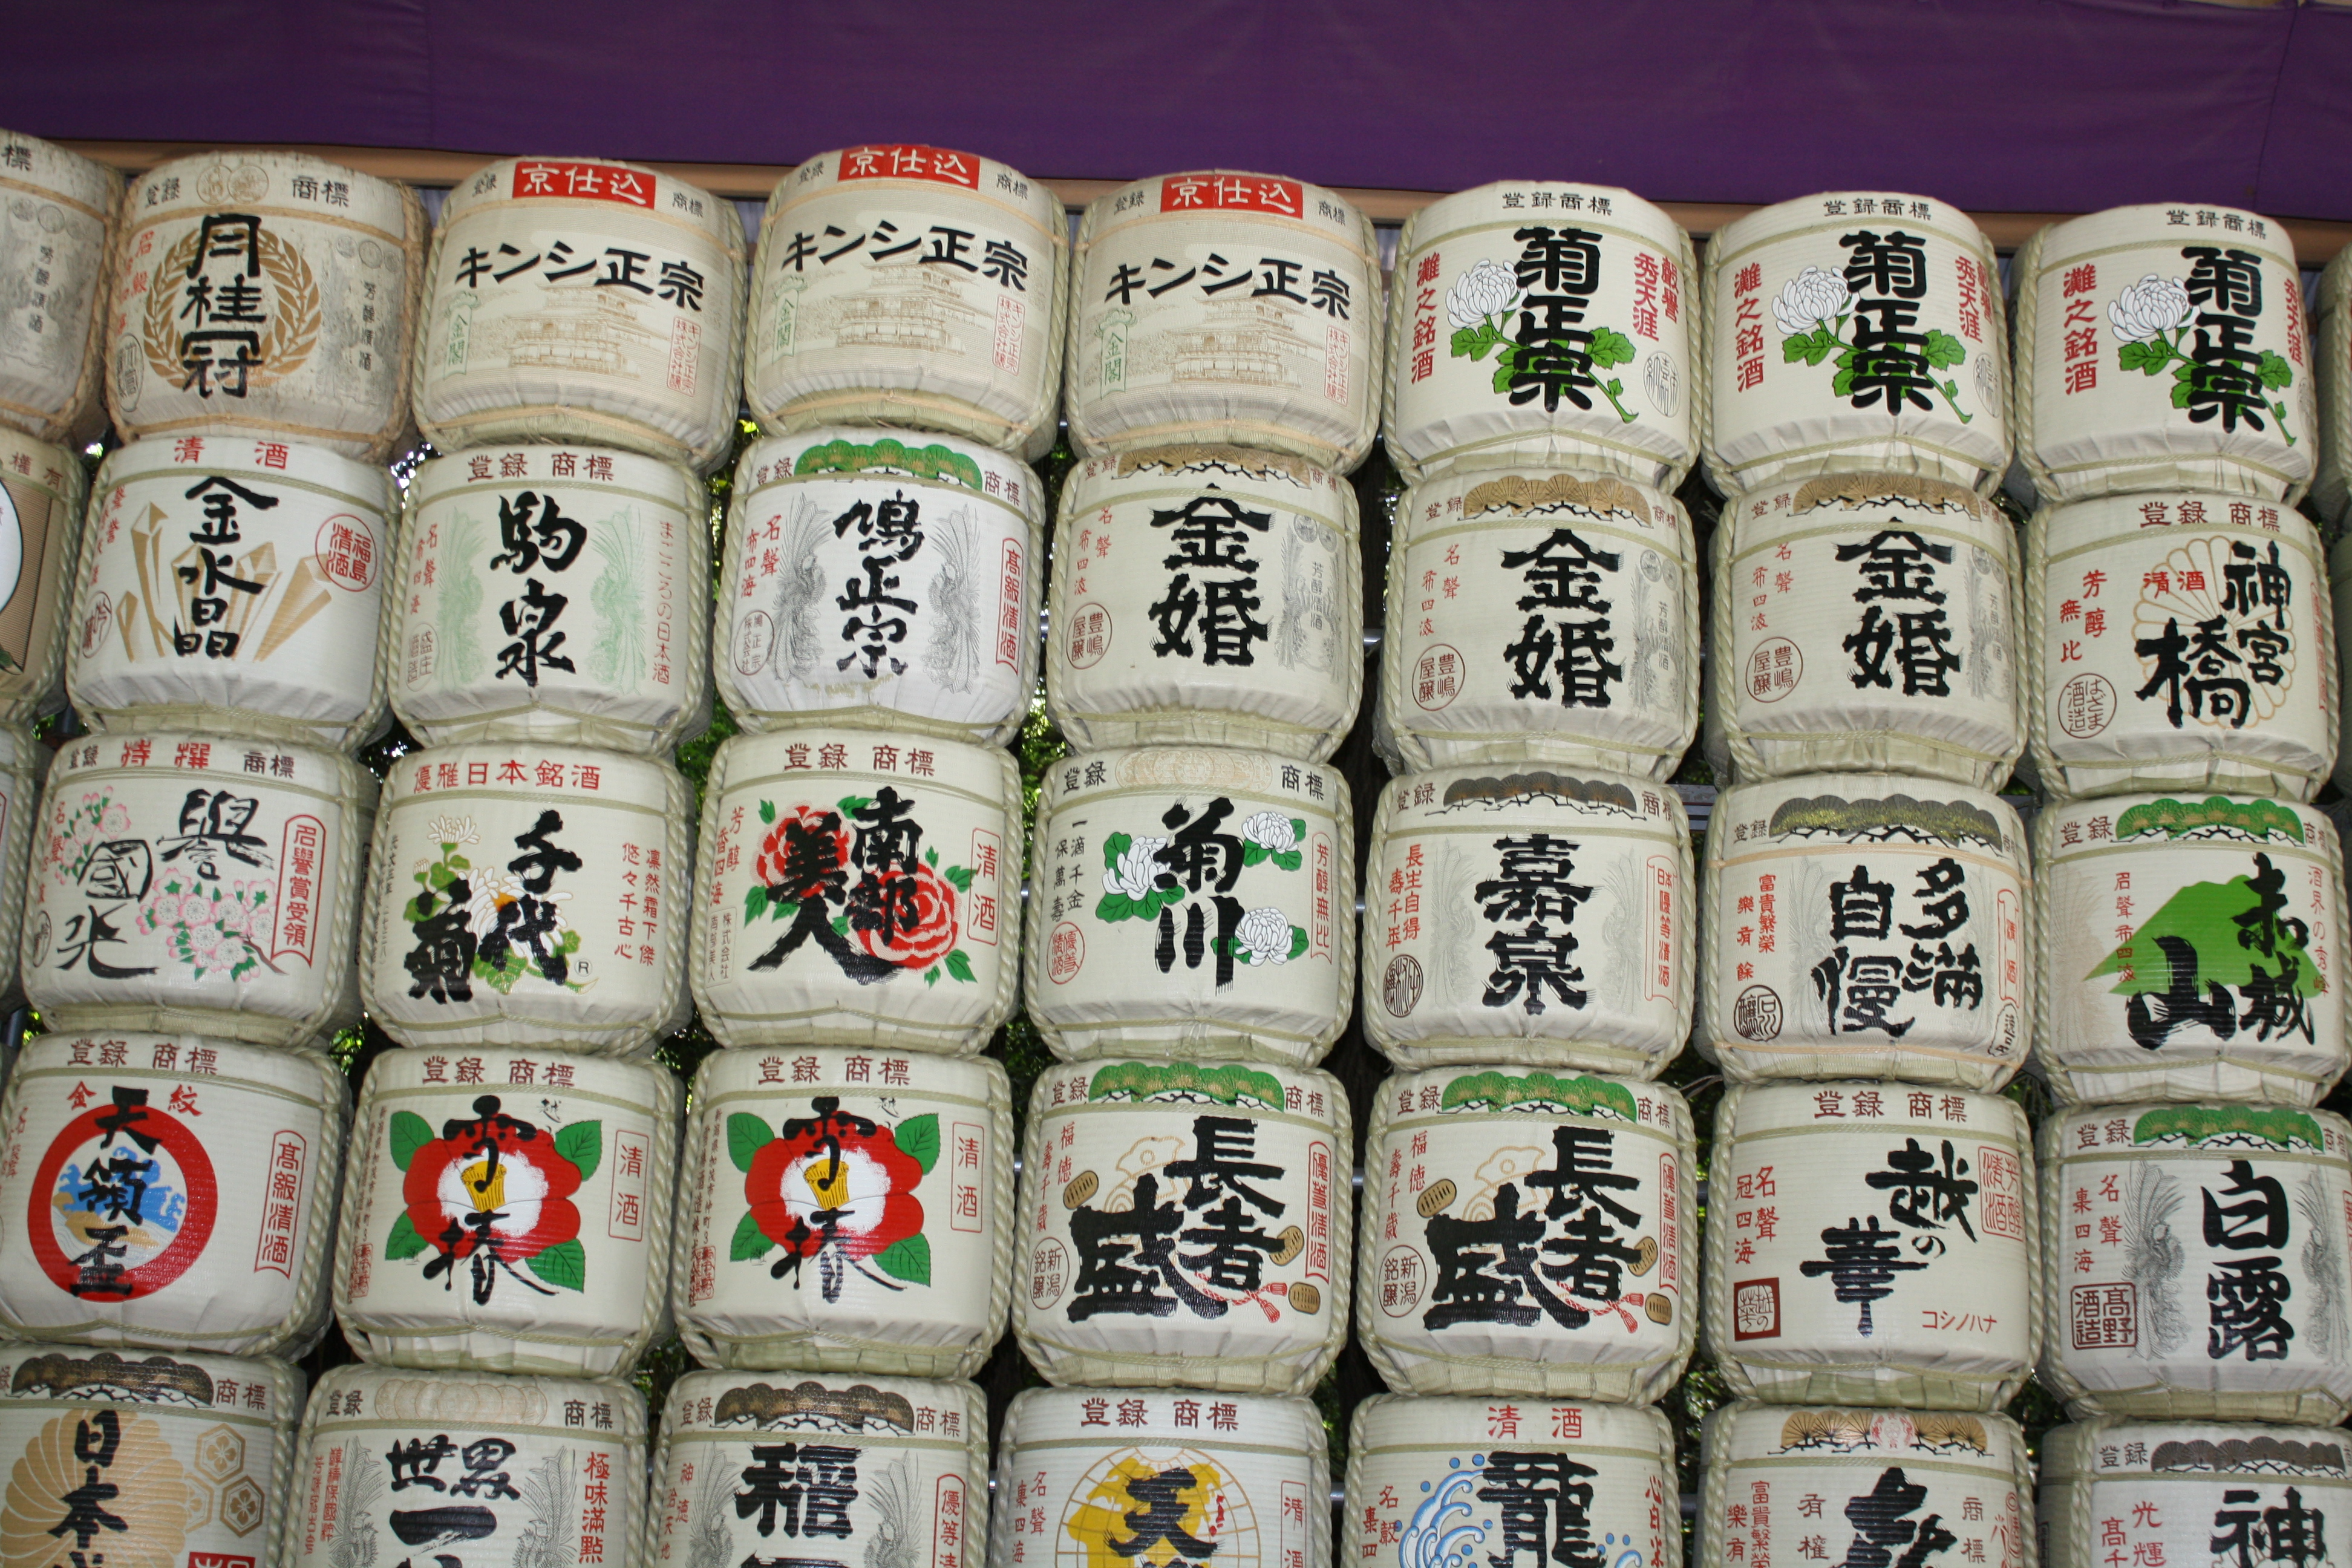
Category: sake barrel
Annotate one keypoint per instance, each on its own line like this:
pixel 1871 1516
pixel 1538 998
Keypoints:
pixel 854 890
pixel 2225 648
pixel 169 1191
pixel 894 530
pixel 1102 1473
pixel 1543 324
pixel 1497 906
pixel 2160 348
pixel 576 300
pixel 23 761
pixel 2189 1492
pixel 527 1466
pixel 1442 1479
pixel 2253 1196
pixel 1853 334
pixel 911 285
pixel 848 1210
pixel 2339 586
pixel 1896 595
pixel 238 582
pixel 54 233
pixel 1222 307
pixel 164 1459
pixel 597 561
pixel 1195 902
pixel 1472 1176
pixel 1540 617
pixel 2331 484
pixel 1239 585
pixel 42 488
pixel 2189 948
pixel 188 879
pixel 270 294
pixel 1851 1484
pixel 1235 1176
pixel 525 894
pixel 896 1467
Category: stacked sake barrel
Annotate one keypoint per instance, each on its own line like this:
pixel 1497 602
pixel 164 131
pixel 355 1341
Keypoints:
pixel 2189 1011
pixel 1871 1290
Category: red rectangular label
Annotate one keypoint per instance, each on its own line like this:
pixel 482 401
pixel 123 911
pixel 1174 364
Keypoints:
pixel 910 162
pixel 1230 193
pixel 217 1559
pixel 594 182
pixel 299 861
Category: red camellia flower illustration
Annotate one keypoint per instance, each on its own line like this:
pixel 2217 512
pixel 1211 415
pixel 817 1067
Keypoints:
pixel 919 927
pixel 806 846
pixel 492 1192
pixel 834 1187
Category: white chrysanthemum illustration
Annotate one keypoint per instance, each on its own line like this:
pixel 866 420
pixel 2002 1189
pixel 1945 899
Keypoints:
pixel 1271 831
pixel 2153 305
pixel 493 888
pixel 1810 298
pixel 1138 872
pixel 1264 935
pixel 452 830
pixel 1489 288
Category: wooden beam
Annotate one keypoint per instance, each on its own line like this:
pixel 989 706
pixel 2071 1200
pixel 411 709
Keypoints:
pixel 2316 241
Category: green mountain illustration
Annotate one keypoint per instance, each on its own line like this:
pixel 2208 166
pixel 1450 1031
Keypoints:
pixel 2204 915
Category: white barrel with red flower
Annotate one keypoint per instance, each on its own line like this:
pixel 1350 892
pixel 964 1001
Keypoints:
pixel 1592 1176
pixel 1895 596
pixel 2224 645
pixel 1225 308
pixel 42 488
pixel 573 299
pixel 890 1469
pixel 521 892
pixel 169 1192
pixel 57 228
pixel 1196 902
pixel 1544 324
pixel 857 888
pixel 232 580
pixel 852 591
pixel 536 1471
pixel 2194 1264
pixel 1236 1175
pixel 2172 1489
pixel 845 1209
pixel 1529 915
pixel 1541 615
pixel 23 761
pixel 181 1458
pixel 2164 347
pixel 905 285
pixel 1855 331
pixel 270 294
pixel 553 594
pixel 1233 614
pixel 508 1210
pixel 195 880
pixel 1246 1475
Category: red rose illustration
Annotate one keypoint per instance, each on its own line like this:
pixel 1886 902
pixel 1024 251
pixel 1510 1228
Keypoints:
pixel 807 846
pixel 919 929
pixel 835 1187
pixel 494 1192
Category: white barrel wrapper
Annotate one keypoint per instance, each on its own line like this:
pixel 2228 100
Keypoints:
pixel 509 1211
pixel 1225 308
pixel 270 294
pixel 596 561
pixel 170 1192
pixel 42 491
pixel 1861 925
pixel 2331 345
pixel 1192 901
pixel 1207 595
pixel 1535 323
pixel 522 893
pixel 845 1210
pixel 193 881
pixel 235 582
pixel 571 299
pixel 911 285
pixel 881 579
pixel 855 890
pixel 2189 948
pixel 1236 1175
pixel 1529 1233
pixel 2188 1492
pixel 1546 616
pixel 55 236
pixel 1864 623
pixel 23 762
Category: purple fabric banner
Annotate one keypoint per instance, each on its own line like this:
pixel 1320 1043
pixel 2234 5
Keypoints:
pixel 2013 105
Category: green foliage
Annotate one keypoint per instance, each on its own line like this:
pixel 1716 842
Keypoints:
pixel 408 1133
pixel 564 1266
pixel 907 1258
pixel 404 1242
pixel 919 1137
pixel 583 1143
pixel 746 1136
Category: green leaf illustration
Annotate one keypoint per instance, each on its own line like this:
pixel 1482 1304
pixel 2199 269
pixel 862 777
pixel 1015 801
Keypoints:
pixel 1115 907
pixel 1944 351
pixel 746 1136
pixel 960 965
pixel 1289 860
pixel 2183 389
pixel 907 1258
pixel 409 1133
pixel 440 875
pixel 930 857
pixel 1609 347
pixel 564 1266
pixel 851 804
pixel 767 811
pixel 404 1241
pixel 2150 358
pixel 583 1143
pixel 919 1136
pixel 1299 827
pixel 1114 845
pixel 841 924
pixel 750 1241
pixel 2276 372
pixel 931 975
pixel 1297 940
pixel 961 876
pixel 1253 853
pixel 1505 370
pixel 755 903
